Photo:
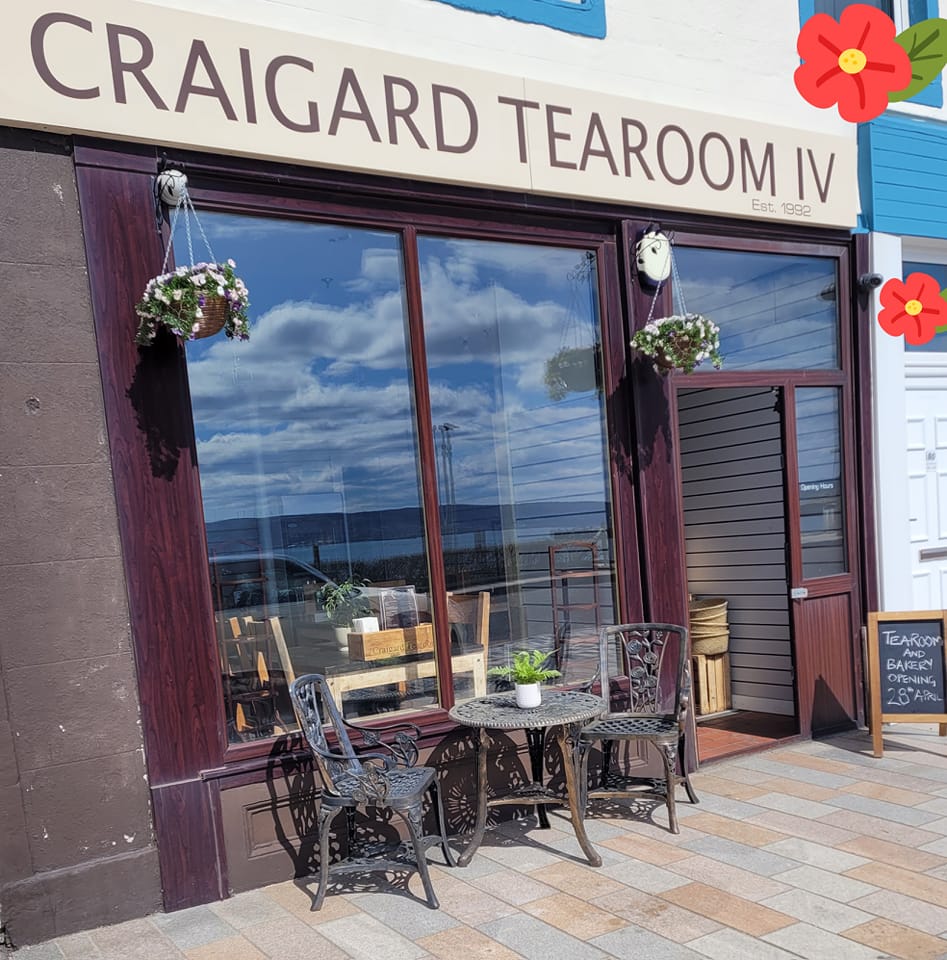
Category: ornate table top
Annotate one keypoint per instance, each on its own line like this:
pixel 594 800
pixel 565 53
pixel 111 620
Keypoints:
pixel 500 712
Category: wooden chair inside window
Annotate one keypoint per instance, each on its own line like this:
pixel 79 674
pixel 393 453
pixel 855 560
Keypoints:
pixel 256 648
pixel 469 651
pixel 473 610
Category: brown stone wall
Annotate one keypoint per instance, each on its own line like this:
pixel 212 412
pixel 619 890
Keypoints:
pixel 76 840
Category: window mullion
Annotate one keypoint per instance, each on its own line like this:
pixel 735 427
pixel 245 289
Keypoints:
pixel 429 492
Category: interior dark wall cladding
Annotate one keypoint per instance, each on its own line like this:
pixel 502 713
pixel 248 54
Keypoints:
pixel 76 839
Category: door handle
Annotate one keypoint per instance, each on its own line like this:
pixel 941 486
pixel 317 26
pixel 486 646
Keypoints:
pixel 932 553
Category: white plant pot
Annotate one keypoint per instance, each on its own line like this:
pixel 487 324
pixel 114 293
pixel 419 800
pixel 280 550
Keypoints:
pixel 528 695
pixel 342 637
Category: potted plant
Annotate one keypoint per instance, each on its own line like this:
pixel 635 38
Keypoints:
pixel 342 603
pixel 526 672
pixel 193 302
pixel 571 369
pixel 680 342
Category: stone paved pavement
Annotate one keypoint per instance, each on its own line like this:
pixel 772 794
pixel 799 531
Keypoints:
pixel 814 850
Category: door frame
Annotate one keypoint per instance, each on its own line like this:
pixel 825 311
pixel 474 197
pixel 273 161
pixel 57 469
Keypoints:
pixel 853 418
pixel 805 649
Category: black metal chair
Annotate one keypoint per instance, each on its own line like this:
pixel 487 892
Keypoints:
pixel 644 677
pixel 374 780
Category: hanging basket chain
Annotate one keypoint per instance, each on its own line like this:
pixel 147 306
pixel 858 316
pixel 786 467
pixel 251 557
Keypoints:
pixel 680 341
pixel 187 204
pixel 676 284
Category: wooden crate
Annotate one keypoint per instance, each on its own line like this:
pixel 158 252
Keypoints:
pixel 711 683
pixel 400 642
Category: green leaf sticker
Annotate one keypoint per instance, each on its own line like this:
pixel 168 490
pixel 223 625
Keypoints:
pixel 943 329
pixel 926 45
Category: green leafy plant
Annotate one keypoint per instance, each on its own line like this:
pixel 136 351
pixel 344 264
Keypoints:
pixel 344 601
pixel 176 300
pixel 527 667
pixel 680 342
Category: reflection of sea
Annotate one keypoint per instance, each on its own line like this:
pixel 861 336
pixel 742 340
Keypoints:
pixel 362 551
pixel 381 534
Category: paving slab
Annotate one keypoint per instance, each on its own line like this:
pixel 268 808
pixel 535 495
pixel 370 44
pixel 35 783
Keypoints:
pixel 814 850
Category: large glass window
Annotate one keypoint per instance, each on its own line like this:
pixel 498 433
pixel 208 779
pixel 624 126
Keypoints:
pixel 775 311
pixel 311 474
pixel 513 349
pixel 821 500
pixel 834 8
pixel 309 468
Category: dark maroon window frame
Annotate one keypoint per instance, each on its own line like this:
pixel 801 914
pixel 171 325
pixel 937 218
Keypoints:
pixel 154 458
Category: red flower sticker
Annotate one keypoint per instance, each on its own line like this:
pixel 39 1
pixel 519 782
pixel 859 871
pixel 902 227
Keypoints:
pixel 913 308
pixel 854 62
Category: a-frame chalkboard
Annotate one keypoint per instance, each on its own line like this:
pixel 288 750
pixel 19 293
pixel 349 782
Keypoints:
pixel 907 670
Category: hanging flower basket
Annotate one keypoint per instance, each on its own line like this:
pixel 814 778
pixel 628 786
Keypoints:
pixel 572 370
pixel 194 302
pixel 680 342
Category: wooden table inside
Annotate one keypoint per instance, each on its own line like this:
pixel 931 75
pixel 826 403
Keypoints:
pixel 379 676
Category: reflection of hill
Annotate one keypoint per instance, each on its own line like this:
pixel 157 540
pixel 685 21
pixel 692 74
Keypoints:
pixel 532 520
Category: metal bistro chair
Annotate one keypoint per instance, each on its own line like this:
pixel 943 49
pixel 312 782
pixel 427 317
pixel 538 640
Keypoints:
pixel 647 701
pixel 377 781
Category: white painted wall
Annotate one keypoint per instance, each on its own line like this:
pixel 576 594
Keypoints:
pixel 730 57
pixel 890 442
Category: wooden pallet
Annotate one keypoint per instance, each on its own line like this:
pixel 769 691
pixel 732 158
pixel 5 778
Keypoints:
pixel 711 683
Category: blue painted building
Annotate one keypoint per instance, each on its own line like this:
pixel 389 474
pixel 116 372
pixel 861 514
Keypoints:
pixel 584 17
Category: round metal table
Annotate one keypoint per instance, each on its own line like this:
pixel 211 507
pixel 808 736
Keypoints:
pixel 562 711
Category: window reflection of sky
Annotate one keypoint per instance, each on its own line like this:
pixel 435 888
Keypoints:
pixel 314 413
pixel 494 313
pixel 290 403
pixel 774 311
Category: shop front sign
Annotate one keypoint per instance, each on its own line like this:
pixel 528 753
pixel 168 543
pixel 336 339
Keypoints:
pixel 151 74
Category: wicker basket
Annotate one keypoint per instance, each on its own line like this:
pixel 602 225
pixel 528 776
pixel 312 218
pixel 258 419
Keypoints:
pixel 214 317
pixel 710 633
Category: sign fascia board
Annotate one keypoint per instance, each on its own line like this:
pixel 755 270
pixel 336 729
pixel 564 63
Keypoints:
pixel 150 74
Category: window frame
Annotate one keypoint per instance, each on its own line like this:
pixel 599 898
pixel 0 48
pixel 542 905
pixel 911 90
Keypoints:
pixel 196 786
pixel 585 17
pixel 933 94
pixel 410 221
pixel 159 504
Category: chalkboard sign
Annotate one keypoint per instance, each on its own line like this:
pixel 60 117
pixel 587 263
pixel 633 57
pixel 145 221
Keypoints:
pixel 911 657
pixel 906 670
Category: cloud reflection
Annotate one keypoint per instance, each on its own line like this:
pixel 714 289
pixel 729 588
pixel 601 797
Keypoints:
pixel 317 404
